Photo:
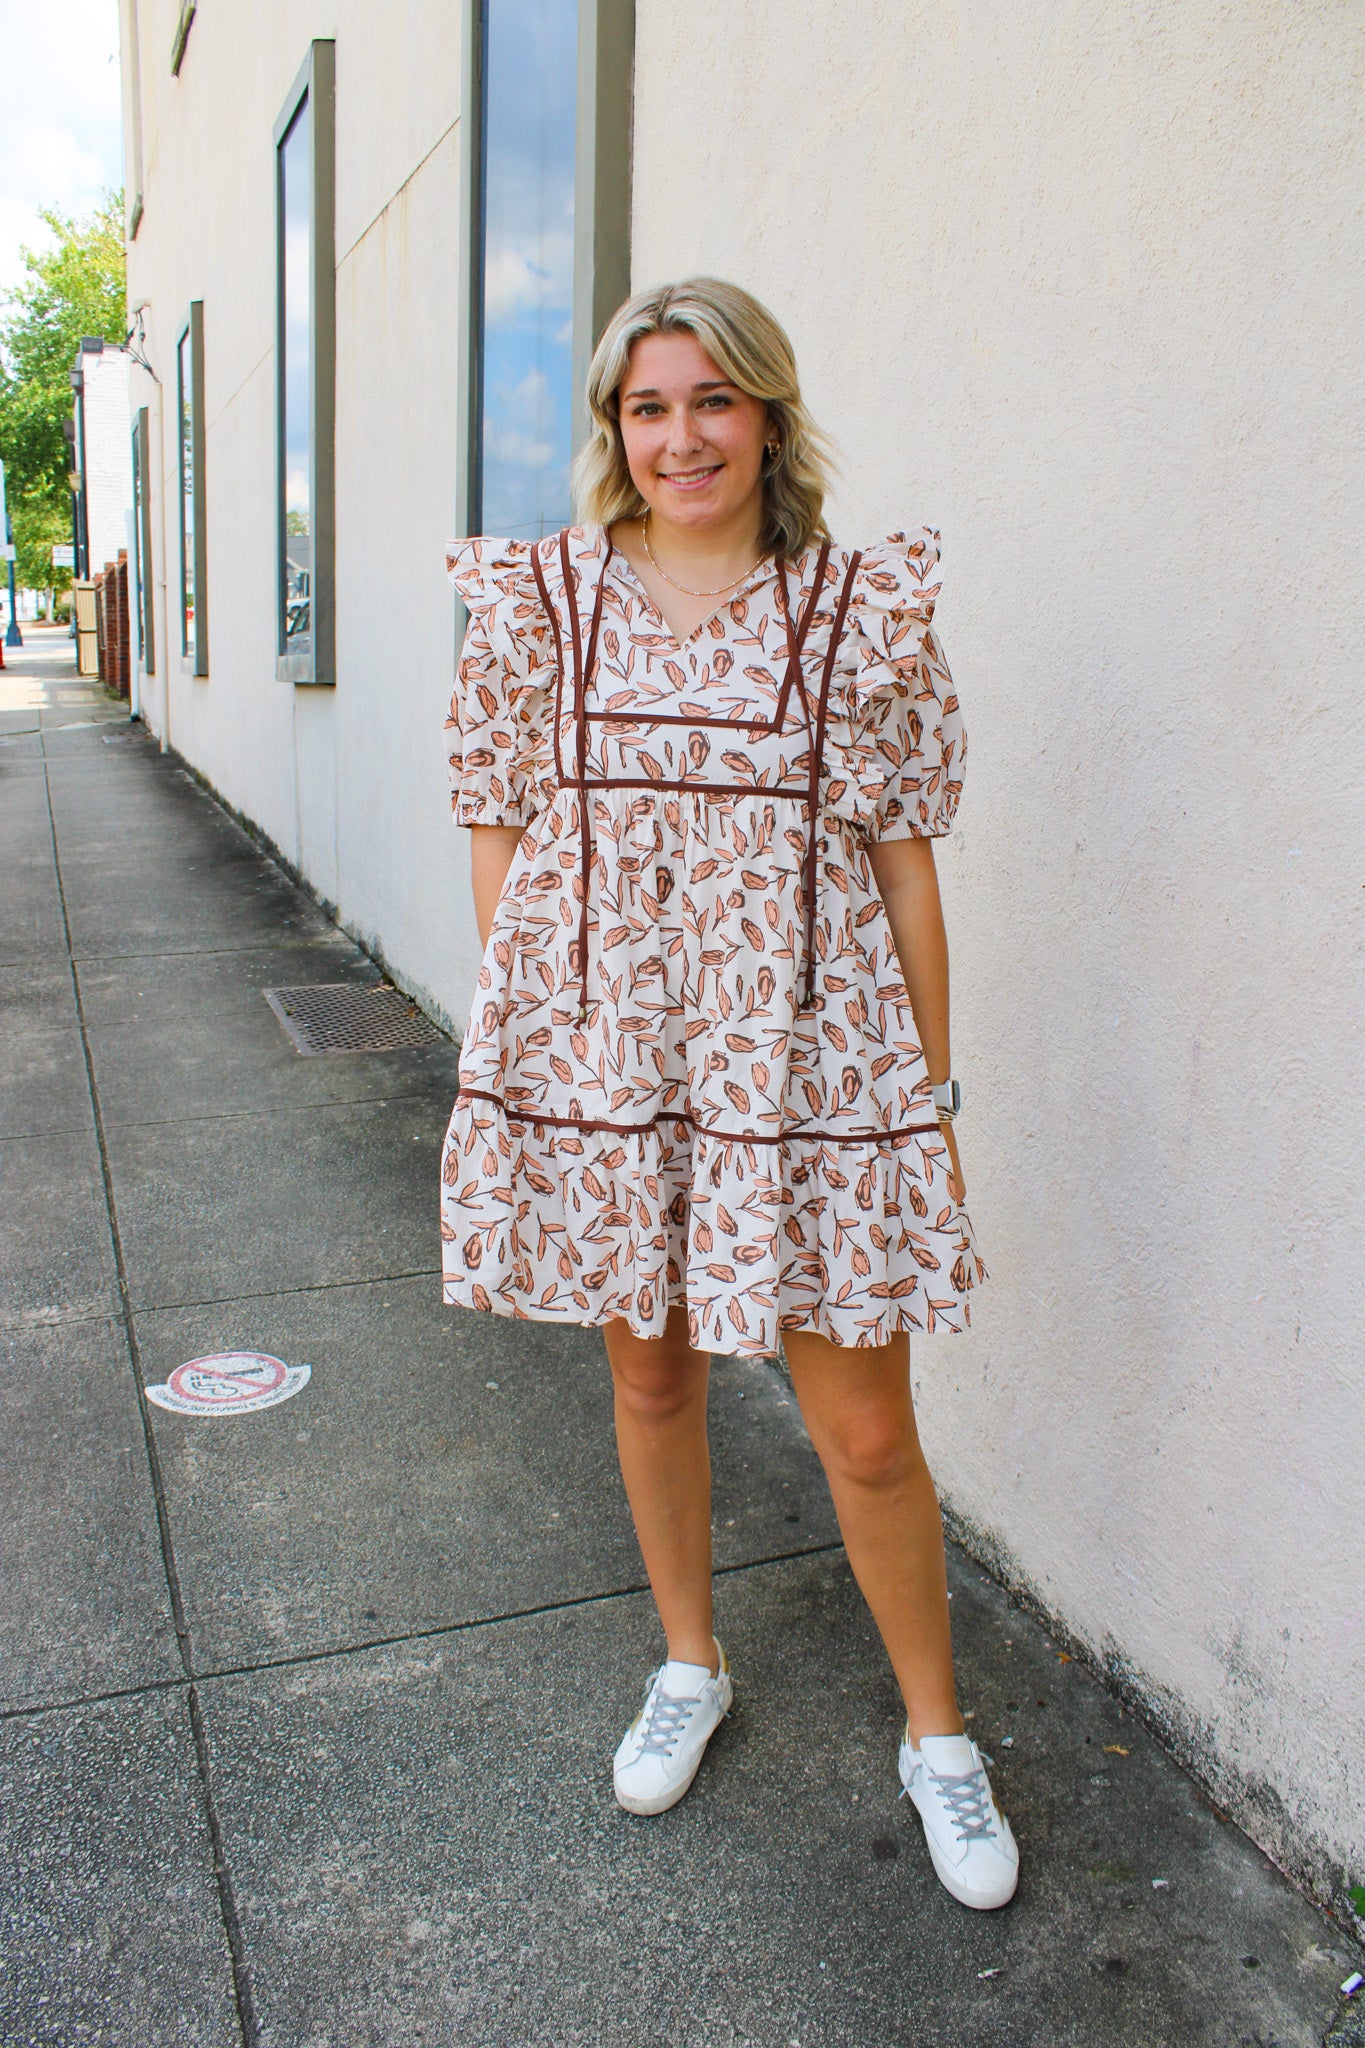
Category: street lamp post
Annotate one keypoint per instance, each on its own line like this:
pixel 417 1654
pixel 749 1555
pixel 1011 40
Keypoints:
pixel 13 637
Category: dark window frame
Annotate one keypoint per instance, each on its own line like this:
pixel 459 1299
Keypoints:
pixel 602 182
pixel 193 659
pixel 316 83
pixel 142 538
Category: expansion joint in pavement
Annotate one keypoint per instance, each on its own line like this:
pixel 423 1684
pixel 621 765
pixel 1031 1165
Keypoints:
pixel 338 1652
pixel 227 1903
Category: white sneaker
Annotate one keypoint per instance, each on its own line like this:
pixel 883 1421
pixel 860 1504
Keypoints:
pixel 969 1838
pixel 662 1748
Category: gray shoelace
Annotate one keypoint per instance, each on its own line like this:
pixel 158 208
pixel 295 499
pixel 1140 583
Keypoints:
pixel 667 1718
pixel 968 1799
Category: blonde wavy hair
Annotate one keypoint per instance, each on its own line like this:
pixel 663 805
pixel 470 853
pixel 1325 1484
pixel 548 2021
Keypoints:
pixel 749 347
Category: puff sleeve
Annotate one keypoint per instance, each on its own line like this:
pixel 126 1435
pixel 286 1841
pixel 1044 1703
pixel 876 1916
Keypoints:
pixel 498 731
pixel 904 716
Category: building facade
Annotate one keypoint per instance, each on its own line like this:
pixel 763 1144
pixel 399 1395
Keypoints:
pixel 1079 289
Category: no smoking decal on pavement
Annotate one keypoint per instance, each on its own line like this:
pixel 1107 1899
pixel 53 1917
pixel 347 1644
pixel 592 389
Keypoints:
pixel 229 1383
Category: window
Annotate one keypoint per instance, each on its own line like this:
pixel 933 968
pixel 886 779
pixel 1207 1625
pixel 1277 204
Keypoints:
pixel 545 252
pixel 305 373
pixel 189 379
pixel 530 71
pixel 142 541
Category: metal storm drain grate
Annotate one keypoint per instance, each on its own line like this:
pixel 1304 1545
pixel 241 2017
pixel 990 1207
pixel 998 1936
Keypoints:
pixel 343 1017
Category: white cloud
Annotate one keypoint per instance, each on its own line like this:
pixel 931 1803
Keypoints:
pixel 530 273
pixel 60 137
pixel 520 450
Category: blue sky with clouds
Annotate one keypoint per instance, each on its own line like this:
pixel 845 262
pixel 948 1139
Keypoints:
pixel 59 129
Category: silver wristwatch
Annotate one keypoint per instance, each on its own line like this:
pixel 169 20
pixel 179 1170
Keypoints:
pixel 947 1098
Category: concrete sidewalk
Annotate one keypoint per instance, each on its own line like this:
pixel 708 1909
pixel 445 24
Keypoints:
pixel 308 1714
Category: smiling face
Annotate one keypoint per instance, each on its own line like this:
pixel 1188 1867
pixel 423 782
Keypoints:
pixel 693 440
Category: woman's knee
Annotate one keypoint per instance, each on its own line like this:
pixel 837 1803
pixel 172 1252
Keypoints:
pixel 875 1448
pixel 656 1379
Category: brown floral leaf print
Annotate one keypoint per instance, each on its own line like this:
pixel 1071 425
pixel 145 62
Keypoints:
pixel 738 1096
pixel 753 933
pixel 836 1035
pixel 737 1316
pixel 701 1236
pixel 670 1006
pixel 726 1274
pixel 922 1256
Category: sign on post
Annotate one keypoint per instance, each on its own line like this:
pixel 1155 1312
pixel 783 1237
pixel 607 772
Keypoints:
pixel 63 555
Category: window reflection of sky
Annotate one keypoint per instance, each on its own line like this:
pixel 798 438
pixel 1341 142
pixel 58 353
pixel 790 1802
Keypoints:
pixel 186 381
pixel 296 179
pixel 531 75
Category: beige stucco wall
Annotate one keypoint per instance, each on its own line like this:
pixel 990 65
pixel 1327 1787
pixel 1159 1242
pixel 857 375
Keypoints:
pixel 1081 286
pixel 349 783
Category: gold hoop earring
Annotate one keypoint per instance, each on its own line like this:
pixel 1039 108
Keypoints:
pixel 773 449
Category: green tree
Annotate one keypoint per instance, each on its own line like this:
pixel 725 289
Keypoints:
pixel 75 288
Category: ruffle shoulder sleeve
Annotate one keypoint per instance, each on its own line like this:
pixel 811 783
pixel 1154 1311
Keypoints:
pixel 498 730
pixel 908 738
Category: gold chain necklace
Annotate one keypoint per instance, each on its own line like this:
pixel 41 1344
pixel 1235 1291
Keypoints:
pixel 683 587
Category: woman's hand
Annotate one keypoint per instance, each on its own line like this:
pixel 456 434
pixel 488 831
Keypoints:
pixel 957 1186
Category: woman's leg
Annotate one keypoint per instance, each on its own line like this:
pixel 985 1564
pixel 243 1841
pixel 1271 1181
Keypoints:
pixel 857 1406
pixel 660 1387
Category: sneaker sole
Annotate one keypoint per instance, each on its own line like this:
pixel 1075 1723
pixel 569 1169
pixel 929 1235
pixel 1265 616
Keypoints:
pixel 661 1801
pixel 980 1902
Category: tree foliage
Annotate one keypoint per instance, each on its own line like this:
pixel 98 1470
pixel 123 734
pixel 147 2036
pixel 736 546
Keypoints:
pixel 75 288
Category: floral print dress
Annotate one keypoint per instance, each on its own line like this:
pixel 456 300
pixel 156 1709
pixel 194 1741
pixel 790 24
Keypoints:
pixel 691 1075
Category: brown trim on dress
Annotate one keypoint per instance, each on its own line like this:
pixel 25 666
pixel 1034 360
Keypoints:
pixel 815 726
pixel 683 1116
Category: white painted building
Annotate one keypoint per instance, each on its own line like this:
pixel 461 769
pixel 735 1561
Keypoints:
pixel 1082 289
pixel 103 452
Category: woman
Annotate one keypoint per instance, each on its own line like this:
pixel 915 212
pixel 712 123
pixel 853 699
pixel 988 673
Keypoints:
pixel 705 1091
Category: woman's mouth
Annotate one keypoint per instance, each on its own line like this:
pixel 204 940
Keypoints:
pixel 690 479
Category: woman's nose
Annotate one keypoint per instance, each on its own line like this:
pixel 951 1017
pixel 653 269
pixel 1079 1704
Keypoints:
pixel 684 432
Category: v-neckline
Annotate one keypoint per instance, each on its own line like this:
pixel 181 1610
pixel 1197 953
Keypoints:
pixel 758 574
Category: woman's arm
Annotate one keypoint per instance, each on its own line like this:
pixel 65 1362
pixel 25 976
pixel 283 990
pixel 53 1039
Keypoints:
pixel 904 871
pixel 491 848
